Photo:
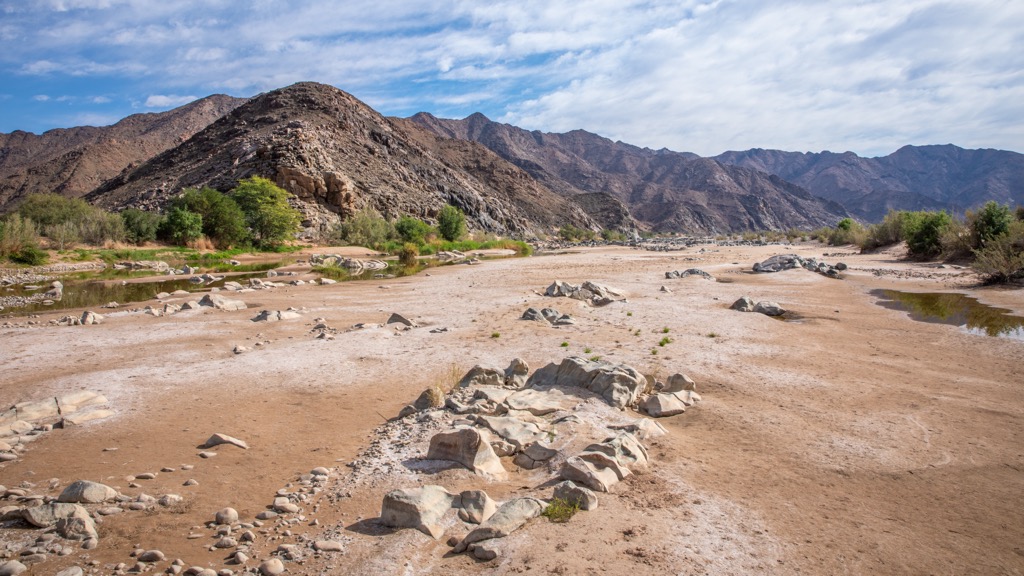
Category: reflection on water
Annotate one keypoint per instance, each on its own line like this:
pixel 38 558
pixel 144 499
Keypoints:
pixel 955 309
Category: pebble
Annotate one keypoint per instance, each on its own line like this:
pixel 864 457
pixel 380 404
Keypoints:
pixel 191 482
pixel 206 454
pixel 145 476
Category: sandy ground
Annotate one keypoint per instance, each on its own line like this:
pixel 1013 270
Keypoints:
pixel 852 441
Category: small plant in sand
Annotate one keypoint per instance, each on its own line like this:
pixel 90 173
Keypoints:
pixel 654 351
pixel 564 344
pixel 629 313
pixel 665 330
pixel 595 358
pixel 560 510
pixel 664 341
pixel 495 334
pixel 712 334
pixel 586 350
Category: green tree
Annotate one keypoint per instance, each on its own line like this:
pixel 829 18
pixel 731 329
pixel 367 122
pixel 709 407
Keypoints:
pixel 182 226
pixel 992 221
pixel 63 234
pixel 451 223
pixel 364 228
pixel 223 220
pixel 17 234
pixel 49 209
pixel 412 229
pixel 140 226
pixel 270 218
pixel 923 232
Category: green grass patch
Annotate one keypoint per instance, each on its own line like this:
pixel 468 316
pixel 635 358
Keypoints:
pixel 560 510
pixel 564 344
pixel 495 334
pixel 664 341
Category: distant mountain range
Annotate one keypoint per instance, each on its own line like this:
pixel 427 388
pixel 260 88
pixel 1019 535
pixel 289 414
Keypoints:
pixel 337 155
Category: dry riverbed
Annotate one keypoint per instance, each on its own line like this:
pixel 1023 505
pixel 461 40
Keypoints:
pixel 849 439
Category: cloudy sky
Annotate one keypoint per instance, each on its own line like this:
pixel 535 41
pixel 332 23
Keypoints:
pixel 692 75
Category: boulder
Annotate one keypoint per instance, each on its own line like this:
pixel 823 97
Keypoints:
pixel 396 318
pixel 87 492
pixel 513 430
pixel 516 373
pixel 221 303
pixel 664 405
pixel 508 518
pixel 12 568
pixel 47 515
pixel 218 439
pixel 779 263
pixel 419 508
pixel 467 447
pixel 642 428
pixel 475 506
pixel 432 397
pixel 276 315
pixel 578 495
pixel 679 383
pixel 78 526
pixel 533 314
pixel 226 516
pixel 534 456
pixel 538 402
pixel 744 304
pixel 769 308
pixel 603 465
pixel 483 376
pixel 619 384
pixel 89 318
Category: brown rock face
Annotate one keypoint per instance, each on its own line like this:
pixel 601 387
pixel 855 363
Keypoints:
pixel 663 190
pixel 74 161
pixel 337 155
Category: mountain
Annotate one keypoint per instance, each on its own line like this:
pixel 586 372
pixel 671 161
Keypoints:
pixel 74 161
pixel 912 178
pixel 337 155
pixel 664 190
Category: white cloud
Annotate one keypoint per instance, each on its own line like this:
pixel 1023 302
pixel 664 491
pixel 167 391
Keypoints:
pixel 100 100
pixel 41 98
pixel 699 75
pixel 168 100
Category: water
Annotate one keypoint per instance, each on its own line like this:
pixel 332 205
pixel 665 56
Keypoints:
pixel 954 309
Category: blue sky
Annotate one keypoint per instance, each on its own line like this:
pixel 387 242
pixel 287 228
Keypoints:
pixel 704 76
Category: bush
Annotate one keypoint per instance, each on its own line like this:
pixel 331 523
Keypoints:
pixel 408 254
pixel 63 234
pixel 140 226
pixel 182 226
pixel 98 227
pixel 847 231
pixel 49 209
pixel 16 234
pixel 413 230
pixel 992 221
pixel 30 255
pixel 270 218
pixel 1002 258
pixel 223 220
pixel 923 232
pixel 364 228
pixel 560 510
pixel 957 241
pixel 451 223
pixel 886 233
pixel 571 233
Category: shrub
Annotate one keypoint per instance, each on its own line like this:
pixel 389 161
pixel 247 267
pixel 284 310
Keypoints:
pixel 364 228
pixel 30 255
pixel 451 223
pixel 886 233
pixel 16 234
pixel 408 254
pixel 63 235
pixel 991 221
pixel 98 227
pixel 923 232
pixel 957 241
pixel 411 229
pixel 223 220
pixel 182 226
pixel 1002 258
pixel 847 231
pixel 49 209
pixel 571 233
pixel 560 510
pixel 270 218
pixel 140 226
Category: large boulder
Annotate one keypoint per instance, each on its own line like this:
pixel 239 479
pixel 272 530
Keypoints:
pixel 583 497
pixel 509 518
pixel 744 304
pixel 419 508
pixel 47 515
pixel 779 263
pixel 221 303
pixel 467 447
pixel 79 525
pixel 513 430
pixel 769 308
pixel 602 465
pixel 87 492
pixel 619 384
pixel 539 402
pixel 475 506
pixel 663 405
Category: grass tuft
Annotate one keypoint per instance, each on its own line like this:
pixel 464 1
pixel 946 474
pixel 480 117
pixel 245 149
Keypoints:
pixel 560 510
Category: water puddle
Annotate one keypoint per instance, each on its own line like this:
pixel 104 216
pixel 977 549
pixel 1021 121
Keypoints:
pixel 954 309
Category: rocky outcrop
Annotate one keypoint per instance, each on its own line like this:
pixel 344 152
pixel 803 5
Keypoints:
pixel 590 292
pixel 620 385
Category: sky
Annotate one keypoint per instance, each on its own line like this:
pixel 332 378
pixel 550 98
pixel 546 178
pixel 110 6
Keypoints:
pixel 703 76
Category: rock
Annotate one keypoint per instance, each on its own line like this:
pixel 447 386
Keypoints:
pixel 172 499
pixel 516 373
pixel 75 401
pixel 87 492
pixel 89 318
pixel 396 318
pixel 507 519
pixel 467 447
pixel 513 430
pixel 619 384
pixel 689 272
pixel 603 465
pixel 239 349
pixel 664 405
pixel 419 508
pixel 152 556
pixel 841 266
pixel 483 376
pixel 12 568
pixel 205 454
pixel 226 516
pixel 87 416
pixel 769 308
pixel 218 439
pixel 328 546
pixel 283 505
pixel 432 397
pixel 47 515
pixel 239 557
pixel 226 542
pixel 145 476
pixel 78 526
pixel 276 315
pixel 71 571
pixel 476 506
pixel 664 289
pixel 327 281
pixel 539 402
pixel 578 495
pixel 272 567
pixel 534 456
pixel 643 428
pixel 221 303
pixel 37 409
pixel 679 383
pixel 320 471
pixel 533 314
pixel 779 263
pixel 744 304
pixel 484 551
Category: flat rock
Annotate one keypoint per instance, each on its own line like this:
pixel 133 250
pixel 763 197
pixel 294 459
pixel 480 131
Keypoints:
pixel 507 519
pixel 476 506
pixel 221 303
pixel 419 508
pixel 769 308
pixel 467 447
pixel 47 515
pixel 87 492
pixel 218 439
pixel 328 546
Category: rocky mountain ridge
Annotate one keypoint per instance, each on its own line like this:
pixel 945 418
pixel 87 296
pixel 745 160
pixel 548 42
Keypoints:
pixel 664 190
pixel 75 161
